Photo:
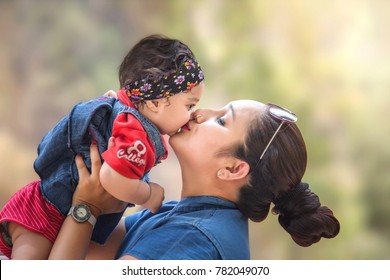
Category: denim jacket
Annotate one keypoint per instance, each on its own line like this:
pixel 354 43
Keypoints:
pixel 55 164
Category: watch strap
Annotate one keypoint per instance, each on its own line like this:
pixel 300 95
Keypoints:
pixel 92 220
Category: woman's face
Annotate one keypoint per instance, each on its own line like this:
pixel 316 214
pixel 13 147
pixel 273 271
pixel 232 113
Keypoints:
pixel 214 132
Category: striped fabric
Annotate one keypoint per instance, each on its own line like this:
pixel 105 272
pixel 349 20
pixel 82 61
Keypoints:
pixel 30 209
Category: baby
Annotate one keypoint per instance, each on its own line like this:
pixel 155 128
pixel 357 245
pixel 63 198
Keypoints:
pixel 161 82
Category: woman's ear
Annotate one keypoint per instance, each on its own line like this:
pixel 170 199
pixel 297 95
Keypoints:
pixel 237 171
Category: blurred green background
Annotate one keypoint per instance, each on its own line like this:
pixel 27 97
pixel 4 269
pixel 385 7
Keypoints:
pixel 328 61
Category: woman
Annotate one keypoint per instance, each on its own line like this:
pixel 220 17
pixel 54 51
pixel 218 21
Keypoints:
pixel 235 162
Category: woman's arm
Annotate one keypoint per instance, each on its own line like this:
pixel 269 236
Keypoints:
pixel 73 240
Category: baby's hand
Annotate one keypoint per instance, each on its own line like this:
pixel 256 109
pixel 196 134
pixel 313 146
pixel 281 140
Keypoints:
pixel 156 198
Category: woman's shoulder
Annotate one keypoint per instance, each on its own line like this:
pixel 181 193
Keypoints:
pixel 219 221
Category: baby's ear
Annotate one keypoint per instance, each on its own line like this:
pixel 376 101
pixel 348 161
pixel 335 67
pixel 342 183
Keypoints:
pixel 153 105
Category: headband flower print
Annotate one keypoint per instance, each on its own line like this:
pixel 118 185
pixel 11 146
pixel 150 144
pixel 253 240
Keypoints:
pixel 188 76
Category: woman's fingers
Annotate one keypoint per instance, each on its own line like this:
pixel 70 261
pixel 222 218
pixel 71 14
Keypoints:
pixel 111 142
pixel 96 162
pixel 111 93
pixel 82 169
pixel 89 190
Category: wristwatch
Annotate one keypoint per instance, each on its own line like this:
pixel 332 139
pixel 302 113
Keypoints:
pixel 81 213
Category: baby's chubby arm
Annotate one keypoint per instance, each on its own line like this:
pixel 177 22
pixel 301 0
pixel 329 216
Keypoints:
pixel 130 190
pixel 134 191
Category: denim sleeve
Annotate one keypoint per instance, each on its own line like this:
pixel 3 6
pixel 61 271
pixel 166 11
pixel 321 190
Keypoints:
pixel 173 242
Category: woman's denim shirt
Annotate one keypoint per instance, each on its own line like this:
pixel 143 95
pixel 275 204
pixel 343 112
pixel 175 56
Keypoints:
pixel 55 164
pixel 197 227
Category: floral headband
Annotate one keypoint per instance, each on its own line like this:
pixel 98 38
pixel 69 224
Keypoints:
pixel 185 78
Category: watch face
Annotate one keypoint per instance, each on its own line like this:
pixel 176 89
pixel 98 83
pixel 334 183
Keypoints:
pixel 81 213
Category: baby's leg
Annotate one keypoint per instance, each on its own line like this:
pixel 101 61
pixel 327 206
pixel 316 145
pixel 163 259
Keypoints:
pixel 28 245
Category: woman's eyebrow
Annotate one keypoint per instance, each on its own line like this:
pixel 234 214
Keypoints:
pixel 232 110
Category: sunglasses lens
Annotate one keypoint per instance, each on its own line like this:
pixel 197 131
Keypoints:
pixel 283 114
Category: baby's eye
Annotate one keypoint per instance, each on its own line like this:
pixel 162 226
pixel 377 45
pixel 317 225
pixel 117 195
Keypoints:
pixel 221 121
pixel 190 107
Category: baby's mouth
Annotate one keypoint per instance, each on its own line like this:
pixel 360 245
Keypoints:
pixel 184 127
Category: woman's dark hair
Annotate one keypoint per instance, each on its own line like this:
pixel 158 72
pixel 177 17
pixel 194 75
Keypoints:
pixel 277 179
pixel 152 57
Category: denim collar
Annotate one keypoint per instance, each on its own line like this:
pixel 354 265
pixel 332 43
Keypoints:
pixel 197 203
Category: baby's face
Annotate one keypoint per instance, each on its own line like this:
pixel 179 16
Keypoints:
pixel 178 109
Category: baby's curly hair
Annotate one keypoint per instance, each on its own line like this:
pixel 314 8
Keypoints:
pixel 152 57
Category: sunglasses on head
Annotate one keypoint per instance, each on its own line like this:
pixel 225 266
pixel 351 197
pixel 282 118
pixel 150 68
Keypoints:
pixel 279 113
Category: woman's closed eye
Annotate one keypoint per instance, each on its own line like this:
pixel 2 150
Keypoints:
pixel 221 121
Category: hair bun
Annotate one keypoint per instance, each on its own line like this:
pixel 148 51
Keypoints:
pixel 288 196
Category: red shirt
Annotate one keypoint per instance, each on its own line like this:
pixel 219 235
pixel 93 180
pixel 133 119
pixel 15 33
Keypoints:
pixel 133 153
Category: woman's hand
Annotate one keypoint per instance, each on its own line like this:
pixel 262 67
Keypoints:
pixel 111 93
pixel 90 191
pixel 73 240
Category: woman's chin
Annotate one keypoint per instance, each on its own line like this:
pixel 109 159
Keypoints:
pixel 175 141
pixel 172 140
